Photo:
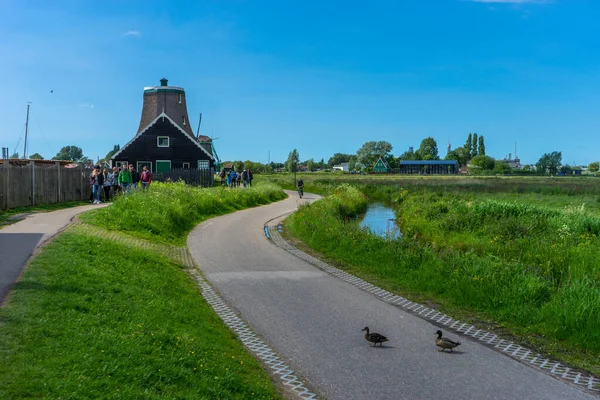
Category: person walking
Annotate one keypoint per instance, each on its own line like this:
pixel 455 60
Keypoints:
pixel 250 177
pixel 135 177
pixel 238 179
pixel 107 184
pixel 98 184
pixel 92 183
pixel 146 178
pixel 231 179
pixel 245 177
pixel 125 179
pixel 115 181
pixel 222 175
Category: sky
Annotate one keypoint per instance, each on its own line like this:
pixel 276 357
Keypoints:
pixel 319 76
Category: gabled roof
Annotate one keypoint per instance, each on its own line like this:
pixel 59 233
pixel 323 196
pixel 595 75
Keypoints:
pixel 163 115
pixel 383 161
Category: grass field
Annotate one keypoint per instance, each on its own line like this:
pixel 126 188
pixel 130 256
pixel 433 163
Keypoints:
pixel 527 264
pixel 104 314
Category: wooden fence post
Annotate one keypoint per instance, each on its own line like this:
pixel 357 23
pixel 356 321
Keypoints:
pixel 58 178
pixel 6 184
pixel 32 165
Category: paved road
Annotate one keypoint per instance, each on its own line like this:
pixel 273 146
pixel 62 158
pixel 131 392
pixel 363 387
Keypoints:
pixel 314 321
pixel 18 241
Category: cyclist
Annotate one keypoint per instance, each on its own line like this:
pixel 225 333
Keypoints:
pixel 300 187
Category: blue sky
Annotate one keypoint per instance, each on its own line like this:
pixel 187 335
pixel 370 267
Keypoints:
pixel 319 76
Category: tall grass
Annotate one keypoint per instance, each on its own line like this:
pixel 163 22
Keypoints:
pixel 531 267
pixel 168 211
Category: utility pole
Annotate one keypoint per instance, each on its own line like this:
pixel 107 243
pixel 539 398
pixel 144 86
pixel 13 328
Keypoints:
pixel 26 129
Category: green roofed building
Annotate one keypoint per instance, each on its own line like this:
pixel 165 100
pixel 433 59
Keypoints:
pixel 381 166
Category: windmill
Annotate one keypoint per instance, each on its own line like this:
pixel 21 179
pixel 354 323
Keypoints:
pixel 208 144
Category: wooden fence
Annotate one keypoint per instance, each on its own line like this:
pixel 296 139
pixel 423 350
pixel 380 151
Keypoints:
pixel 196 177
pixel 33 185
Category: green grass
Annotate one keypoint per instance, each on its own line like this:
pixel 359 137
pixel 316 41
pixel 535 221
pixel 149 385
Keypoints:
pixel 115 322
pixel 169 211
pixel 94 317
pixel 529 268
pixel 5 215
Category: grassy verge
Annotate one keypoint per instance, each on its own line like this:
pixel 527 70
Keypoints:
pixel 7 217
pixel 118 319
pixel 168 212
pixel 530 270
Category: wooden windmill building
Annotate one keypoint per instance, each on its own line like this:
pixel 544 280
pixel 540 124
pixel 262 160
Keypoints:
pixel 164 139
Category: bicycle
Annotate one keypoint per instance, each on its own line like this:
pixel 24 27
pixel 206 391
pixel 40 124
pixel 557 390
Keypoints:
pixel 300 192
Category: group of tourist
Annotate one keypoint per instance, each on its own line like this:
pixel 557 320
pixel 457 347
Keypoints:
pixel 122 180
pixel 236 179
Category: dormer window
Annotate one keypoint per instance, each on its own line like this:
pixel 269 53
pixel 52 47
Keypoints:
pixel 183 120
pixel 162 141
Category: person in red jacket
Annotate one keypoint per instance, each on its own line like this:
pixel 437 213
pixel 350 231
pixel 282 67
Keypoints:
pixel 146 178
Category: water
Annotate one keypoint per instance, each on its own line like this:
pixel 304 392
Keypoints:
pixel 381 220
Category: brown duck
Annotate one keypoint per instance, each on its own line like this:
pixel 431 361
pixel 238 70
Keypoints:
pixel 445 343
pixel 375 337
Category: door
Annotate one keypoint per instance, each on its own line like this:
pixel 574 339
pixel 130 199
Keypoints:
pixel 163 165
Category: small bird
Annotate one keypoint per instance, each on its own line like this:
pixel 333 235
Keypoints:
pixel 375 337
pixel 52 91
pixel 445 343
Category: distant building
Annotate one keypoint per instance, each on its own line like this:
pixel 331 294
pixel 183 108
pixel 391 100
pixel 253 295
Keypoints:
pixel 341 167
pixel 164 139
pixel 429 167
pixel 381 166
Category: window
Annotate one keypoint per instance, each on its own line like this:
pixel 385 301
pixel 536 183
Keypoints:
pixel 142 164
pixel 186 165
pixel 162 141
pixel 183 120
pixel 180 97
pixel 119 164
pixel 203 164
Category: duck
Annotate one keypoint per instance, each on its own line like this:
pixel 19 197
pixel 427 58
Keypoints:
pixel 445 343
pixel 375 337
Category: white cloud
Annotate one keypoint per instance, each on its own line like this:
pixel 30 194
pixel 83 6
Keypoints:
pixel 85 105
pixel 132 33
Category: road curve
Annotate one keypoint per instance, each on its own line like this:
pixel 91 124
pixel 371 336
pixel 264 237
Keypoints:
pixel 314 321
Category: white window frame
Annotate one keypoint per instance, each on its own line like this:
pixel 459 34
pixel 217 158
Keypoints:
pixel 119 164
pixel 188 165
pixel 180 98
pixel 203 161
pixel 163 137
pixel 144 163
pixel 183 119
pixel 169 161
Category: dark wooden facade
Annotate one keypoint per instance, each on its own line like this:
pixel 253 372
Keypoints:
pixel 183 151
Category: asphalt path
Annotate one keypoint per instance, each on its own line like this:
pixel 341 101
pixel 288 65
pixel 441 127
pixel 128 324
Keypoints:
pixel 19 241
pixel 314 321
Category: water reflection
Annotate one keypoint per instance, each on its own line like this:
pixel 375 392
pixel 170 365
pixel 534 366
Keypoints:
pixel 381 220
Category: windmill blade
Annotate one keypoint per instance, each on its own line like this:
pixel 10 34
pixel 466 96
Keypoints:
pixel 198 131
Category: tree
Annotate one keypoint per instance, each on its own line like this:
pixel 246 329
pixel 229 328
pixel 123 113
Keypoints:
pixel 238 166
pixel 481 149
pixel 502 167
pixel 469 145
pixel 111 153
pixel 594 167
pixel 36 156
pixel 483 162
pixel 370 152
pixel 408 155
pixel 474 149
pixel 549 163
pixel 310 164
pixel 15 155
pixel 428 149
pixel 293 159
pixel 459 154
pixel 352 163
pixel 321 164
pixel 337 159
pixel 70 153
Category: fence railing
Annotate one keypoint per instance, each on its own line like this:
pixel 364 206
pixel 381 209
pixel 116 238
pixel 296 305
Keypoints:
pixel 33 185
pixel 196 177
